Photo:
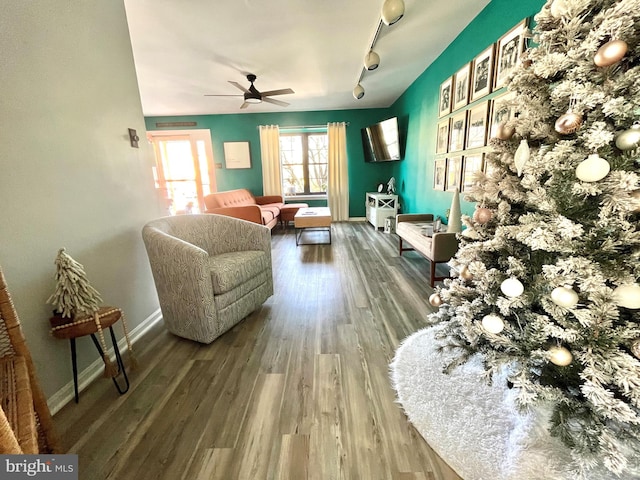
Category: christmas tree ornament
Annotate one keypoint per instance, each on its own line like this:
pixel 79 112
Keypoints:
pixel 593 169
pixel 492 323
pixel 629 139
pixel 521 156
pixel 564 297
pixel 512 287
pixel 627 296
pixel 568 123
pixel 435 300
pixel 635 199
pixel 610 53
pixel 559 8
pixel 635 347
pixel 503 131
pixel 455 217
pixel 465 274
pixel 482 215
pixel 560 356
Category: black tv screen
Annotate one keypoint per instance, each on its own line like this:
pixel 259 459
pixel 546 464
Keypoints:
pixel 381 142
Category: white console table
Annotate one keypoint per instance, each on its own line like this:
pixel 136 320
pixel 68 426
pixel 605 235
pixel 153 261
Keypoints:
pixel 380 206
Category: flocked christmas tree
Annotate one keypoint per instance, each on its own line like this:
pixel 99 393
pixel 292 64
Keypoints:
pixel 549 263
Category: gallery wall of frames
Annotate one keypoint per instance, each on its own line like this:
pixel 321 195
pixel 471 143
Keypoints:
pixel 469 116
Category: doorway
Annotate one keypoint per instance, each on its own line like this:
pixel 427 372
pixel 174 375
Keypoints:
pixel 184 170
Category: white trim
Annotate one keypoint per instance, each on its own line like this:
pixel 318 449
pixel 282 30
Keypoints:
pixel 93 371
pixel 357 219
pixel 295 198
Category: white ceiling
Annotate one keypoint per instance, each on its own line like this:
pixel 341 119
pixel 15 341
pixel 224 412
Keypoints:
pixel 184 49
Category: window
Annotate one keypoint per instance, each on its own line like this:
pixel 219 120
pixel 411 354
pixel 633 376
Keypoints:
pixel 304 162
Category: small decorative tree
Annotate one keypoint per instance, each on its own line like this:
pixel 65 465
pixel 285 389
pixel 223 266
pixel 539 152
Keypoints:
pixel 75 298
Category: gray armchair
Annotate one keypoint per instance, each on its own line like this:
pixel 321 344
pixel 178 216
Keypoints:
pixel 210 271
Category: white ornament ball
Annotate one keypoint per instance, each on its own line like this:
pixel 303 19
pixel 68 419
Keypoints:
pixel 627 296
pixel 559 8
pixel 593 168
pixel 512 287
pixel 629 139
pixel 560 356
pixel 492 323
pixel 564 297
pixel 435 300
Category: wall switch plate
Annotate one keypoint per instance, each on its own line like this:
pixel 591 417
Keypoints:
pixel 133 138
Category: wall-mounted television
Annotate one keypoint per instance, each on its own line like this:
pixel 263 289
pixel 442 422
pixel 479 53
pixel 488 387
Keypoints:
pixel 381 142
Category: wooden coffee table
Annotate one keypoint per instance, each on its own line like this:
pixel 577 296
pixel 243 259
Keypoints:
pixel 312 218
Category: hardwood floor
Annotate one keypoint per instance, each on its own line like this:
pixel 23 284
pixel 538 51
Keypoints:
pixel 298 390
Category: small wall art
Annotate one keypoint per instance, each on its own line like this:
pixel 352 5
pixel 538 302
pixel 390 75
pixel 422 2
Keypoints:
pixel 472 164
pixel 442 141
pixel 445 97
pixel 502 110
pixel 439 173
pixel 482 74
pixel 237 155
pixel 509 49
pixel 477 126
pixel 457 131
pixel 461 87
pixel 454 173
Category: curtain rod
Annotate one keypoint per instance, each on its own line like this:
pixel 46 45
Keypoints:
pixel 284 127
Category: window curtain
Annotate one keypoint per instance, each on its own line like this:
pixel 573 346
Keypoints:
pixel 338 190
pixel 270 152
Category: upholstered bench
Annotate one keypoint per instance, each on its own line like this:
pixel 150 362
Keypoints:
pixel 288 212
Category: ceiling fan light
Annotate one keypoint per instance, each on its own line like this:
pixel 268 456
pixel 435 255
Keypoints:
pixel 358 92
pixel 371 60
pixel 250 98
pixel 392 11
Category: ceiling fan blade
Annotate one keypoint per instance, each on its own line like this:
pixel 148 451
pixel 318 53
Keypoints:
pixel 275 102
pixel 282 91
pixel 214 95
pixel 237 85
pixel 244 105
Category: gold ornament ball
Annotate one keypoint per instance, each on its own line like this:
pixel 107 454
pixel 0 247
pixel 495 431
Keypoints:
pixel 635 199
pixel 629 139
pixel 568 123
pixel 466 274
pixel 435 300
pixel 504 132
pixel 627 296
pixel 635 347
pixel 512 287
pixel 492 323
pixel 482 215
pixel 564 297
pixel 560 356
pixel 610 53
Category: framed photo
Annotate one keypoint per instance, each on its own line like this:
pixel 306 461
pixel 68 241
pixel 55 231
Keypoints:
pixel 445 97
pixel 439 173
pixel 454 173
pixel 457 131
pixel 482 74
pixel 461 87
pixel 237 155
pixel 477 128
pixel 442 140
pixel 509 49
pixel 472 164
pixel 502 110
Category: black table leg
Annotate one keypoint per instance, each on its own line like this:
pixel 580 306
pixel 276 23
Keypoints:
pixel 74 366
pixel 119 361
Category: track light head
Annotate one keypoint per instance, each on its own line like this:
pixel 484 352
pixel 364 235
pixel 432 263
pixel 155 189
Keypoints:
pixel 371 60
pixel 358 92
pixel 392 11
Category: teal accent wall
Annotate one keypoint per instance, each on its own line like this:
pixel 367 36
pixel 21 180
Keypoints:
pixel 363 177
pixel 417 114
pixel 417 107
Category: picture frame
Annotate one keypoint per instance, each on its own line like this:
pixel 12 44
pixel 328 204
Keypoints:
pixel 502 110
pixel 457 131
pixel 454 173
pixel 477 126
pixel 509 49
pixel 461 87
pixel 482 73
pixel 444 105
pixel 439 173
pixel 471 164
pixel 237 155
pixel 442 137
pixel 489 169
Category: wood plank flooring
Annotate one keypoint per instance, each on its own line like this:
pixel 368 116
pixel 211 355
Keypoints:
pixel 298 390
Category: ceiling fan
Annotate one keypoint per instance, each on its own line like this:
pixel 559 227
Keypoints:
pixel 253 95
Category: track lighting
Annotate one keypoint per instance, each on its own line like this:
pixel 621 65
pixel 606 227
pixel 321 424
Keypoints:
pixel 371 60
pixel 358 92
pixel 392 11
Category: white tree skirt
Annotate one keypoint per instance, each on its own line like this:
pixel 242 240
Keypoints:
pixel 475 427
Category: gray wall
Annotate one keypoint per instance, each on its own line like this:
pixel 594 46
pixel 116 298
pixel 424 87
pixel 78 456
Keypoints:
pixel 68 177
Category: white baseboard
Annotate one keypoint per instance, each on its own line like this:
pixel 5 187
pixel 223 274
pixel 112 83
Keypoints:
pixel 93 371
pixel 357 219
